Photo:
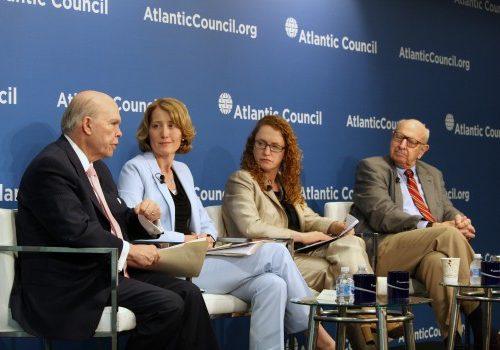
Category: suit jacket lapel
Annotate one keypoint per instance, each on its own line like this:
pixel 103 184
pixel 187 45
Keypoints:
pixel 155 174
pixel 75 161
pixel 427 183
pixel 394 184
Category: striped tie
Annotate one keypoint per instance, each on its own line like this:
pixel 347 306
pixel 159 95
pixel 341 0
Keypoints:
pixel 417 198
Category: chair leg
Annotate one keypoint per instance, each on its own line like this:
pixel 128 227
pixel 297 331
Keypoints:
pixel 291 342
pixel 47 344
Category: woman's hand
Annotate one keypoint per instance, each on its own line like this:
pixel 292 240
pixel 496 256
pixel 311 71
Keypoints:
pixel 336 227
pixel 194 236
pixel 310 237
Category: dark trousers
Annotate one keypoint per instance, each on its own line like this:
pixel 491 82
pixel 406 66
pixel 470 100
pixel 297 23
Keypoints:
pixel 170 312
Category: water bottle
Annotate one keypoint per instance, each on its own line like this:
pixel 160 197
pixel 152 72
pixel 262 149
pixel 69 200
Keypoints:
pixel 475 270
pixel 345 287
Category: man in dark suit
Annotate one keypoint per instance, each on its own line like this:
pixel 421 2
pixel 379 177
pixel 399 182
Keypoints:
pixel 63 296
pixel 419 229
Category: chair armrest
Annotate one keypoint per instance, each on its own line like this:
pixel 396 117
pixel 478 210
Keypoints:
pixel 113 265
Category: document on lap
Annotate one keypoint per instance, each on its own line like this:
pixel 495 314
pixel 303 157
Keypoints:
pixel 236 249
pixel 350 222
pixel 182 260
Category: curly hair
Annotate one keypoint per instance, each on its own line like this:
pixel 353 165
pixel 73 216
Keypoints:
pixel 290 167
pixel 180 116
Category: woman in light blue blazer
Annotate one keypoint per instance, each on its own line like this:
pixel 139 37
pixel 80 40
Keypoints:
pixel 267 279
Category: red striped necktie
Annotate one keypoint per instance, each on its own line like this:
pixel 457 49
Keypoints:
pixel 417 198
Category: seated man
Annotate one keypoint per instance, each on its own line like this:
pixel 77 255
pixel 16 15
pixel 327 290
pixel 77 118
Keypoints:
pixel 405 199
pixel 67 198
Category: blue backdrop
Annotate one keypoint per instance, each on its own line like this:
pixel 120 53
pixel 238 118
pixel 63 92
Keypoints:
pixel 342 72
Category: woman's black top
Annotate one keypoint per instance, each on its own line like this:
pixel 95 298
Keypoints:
pixel 182 208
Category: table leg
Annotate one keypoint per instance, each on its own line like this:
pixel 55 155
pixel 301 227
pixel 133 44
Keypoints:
pixel 312 327
pixel 341 330
pixel 408 328
pixel 381 328
pixel 487 319
pixel 453 319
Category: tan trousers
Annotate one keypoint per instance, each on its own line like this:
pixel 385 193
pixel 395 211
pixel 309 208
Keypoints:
pixel 419 252
pixel 321 267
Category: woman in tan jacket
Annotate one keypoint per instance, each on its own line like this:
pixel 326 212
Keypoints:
pixel 264 199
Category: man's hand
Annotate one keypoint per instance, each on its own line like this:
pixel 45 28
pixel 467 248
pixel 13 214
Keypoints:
pixel 310 237
pixel 149 209
pixel 461 223
pixel 142 255
pixel 464 225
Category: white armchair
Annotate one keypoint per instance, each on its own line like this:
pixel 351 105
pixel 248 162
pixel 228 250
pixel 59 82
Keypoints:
pixel 114 319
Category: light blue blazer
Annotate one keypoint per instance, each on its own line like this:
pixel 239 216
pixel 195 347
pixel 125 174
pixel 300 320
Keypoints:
pixel 140 179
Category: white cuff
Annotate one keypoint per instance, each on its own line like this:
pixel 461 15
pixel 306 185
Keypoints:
pixel 123 256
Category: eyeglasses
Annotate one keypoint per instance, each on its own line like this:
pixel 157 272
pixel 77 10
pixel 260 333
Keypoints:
pixel 273 147
pixel 410 141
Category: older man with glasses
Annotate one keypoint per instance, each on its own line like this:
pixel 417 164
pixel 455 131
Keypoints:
pixel 405 200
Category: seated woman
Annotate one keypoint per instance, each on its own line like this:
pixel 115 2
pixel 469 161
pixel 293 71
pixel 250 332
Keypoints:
pixel 267 279
pixel 264 199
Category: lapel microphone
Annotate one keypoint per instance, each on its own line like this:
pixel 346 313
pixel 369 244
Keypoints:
pixel 397 180
pixel 160 177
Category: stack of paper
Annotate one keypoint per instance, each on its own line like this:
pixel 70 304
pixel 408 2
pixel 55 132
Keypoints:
pixel 182 260
pixel 236 249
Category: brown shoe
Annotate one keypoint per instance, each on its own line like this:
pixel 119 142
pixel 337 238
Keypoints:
pixel 395 330
pixel 366 329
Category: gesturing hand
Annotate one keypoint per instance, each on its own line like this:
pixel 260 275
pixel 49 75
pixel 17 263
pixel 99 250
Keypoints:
pixel 149 209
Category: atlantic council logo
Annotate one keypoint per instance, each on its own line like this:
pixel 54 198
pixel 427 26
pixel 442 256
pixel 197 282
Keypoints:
pixel 465 129
pixel 449 122
pixel 225 103
pixel 291 27
pixel 245 111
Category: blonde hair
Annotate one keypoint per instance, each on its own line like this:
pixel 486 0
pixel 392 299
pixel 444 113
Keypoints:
pixel 180 117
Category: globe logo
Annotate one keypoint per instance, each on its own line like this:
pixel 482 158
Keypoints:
pixel 225 103
pixel 449 122
pixel 291 27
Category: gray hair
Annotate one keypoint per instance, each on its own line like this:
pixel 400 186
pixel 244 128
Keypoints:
pixel 427 132
pixel 78 108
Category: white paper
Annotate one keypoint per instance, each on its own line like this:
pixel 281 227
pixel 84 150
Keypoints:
pixel 350 222
pixel 327 296
pixel 236 249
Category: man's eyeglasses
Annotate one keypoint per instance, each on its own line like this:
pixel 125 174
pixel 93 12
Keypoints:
pixel 273 147
pixel 410 141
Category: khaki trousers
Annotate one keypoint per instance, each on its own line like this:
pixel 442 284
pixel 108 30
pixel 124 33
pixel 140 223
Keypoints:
pixel 321 267
pixel 419 252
